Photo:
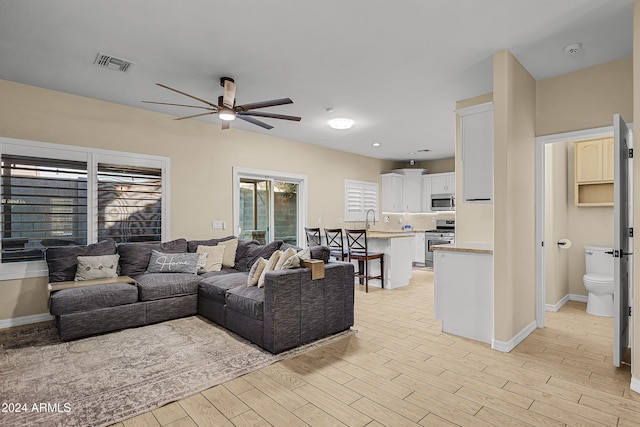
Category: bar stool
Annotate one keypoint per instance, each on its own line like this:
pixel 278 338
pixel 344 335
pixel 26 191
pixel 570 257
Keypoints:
pixel 358 250
pixel 313 236
pixel 333 236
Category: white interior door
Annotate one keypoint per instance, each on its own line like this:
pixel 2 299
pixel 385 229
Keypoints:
pixel 621 244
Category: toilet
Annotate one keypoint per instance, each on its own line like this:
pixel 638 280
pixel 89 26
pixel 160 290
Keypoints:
pixel 599 280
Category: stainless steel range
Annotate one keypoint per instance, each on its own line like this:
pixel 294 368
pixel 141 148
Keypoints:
pixel 444 233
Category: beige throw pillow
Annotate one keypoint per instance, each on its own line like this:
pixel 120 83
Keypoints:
pixel 229 259
pixel 286 255
pixel 256 271
pixel 97 267
pixel 273 260
pixel 215 255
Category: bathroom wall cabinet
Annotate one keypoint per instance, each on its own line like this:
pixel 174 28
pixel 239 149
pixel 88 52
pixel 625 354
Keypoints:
pixel 593 172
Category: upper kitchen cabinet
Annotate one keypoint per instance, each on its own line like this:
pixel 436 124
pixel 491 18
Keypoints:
pixel 593 172
pixel 476 136
pixel 402 191
pixel 443 183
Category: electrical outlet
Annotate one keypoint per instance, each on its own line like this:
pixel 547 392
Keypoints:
pixel 387 219
pixel 319 220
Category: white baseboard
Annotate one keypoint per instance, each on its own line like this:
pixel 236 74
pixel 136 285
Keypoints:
pixel 557 306
pixel 25 320
pixel 507 346
pixel 579 298
pixel 635 384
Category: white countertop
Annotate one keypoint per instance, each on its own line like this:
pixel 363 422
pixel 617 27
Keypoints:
pixel 472 247
pixel 389 234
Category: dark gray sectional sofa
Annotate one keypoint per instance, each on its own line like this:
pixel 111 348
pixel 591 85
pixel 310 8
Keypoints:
pixel 291 308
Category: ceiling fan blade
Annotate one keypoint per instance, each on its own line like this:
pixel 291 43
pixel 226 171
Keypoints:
pixel 180 105
pixel 229 97
pixel 255 121
pixel 225 124
pixel 263 104
pixel 186 94
pixel 195 115
pixel 270 115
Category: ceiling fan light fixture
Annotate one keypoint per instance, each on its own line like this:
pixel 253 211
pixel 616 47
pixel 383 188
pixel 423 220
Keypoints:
pixel 226 114
pixel 341 123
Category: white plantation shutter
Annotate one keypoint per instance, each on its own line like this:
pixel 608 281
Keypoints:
pixel 360 196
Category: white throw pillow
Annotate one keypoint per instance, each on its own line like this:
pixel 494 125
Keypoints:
pixel 286 255
pixel 273 260
pixel 231 246
pixel 256 271
pixel 215 255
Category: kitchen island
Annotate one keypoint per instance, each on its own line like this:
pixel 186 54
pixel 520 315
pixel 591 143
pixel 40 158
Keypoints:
pixel 398 256
pixel 463 289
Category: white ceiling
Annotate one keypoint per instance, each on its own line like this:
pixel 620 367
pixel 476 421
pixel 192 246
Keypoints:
pixel 395 67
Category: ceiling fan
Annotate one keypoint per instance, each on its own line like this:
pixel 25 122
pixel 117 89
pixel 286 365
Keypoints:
pixel 226 108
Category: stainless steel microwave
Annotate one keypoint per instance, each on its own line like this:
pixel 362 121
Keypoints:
pixel 443 202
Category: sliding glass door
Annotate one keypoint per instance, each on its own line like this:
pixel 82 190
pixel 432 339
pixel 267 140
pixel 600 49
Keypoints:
pixel 269 206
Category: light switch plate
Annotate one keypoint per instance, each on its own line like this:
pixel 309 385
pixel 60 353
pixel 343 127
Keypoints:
pixel 218 225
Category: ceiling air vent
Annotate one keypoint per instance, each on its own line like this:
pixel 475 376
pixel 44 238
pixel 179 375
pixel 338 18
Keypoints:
pixel 113 63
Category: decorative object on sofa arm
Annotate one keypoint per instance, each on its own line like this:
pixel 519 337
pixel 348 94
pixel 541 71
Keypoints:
pixel 97 267
pixel 316 266
pixel 71 284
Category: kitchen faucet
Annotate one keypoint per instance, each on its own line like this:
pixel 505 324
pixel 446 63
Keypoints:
pixel 366 218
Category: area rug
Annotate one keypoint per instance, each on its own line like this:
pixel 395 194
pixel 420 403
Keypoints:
pixel 104 379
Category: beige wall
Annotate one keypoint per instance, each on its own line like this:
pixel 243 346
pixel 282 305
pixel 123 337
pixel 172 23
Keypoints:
pixel 474 221
pixel 439 165
pixel 514 101
pixel 202 157
pixel 585 99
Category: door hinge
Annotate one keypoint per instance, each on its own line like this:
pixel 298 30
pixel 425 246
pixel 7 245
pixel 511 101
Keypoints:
pixel 542 243
pixel 631 153
pixel 629 311
pixel 630 231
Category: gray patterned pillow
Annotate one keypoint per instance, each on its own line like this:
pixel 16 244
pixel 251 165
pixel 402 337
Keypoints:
pixel 97 267
pixel 161 262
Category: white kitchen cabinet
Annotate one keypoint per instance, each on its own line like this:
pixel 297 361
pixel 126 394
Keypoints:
pixel 463 293
pixel 476 135
pixel 412 193
pixel 443 183
pixel 392 192
pixel 419 249
pixel 426 193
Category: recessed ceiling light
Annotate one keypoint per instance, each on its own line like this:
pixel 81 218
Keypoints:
pixel 412 153
pixel 376 144
pixel 341 123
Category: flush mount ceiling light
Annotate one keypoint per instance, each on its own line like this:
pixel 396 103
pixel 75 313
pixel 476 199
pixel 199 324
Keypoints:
pixel 341 123
pixel 376 144
pixel 226 114
pixel 572 49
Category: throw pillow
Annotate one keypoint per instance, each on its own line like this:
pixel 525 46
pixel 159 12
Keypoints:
pixel 262 251
pixel 134 257
pixel 97 267
pixel 161 262
pixel 229 258
pixel 202 262
pixel 215 255
pixel 294 261
pixel 256 272
pixel 192 245
pixel 273 260
pixel 286 255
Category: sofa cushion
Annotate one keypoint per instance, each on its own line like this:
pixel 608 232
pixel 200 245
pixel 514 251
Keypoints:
pixel 320 252
pixel 247 300
pixel 262 251
pixel 192 245
pixel 63 261
pixel 153 286
pixel 134 257
pixel 215 287
pixel 88 298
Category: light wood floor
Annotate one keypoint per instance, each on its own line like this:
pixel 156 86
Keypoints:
pixel 400 370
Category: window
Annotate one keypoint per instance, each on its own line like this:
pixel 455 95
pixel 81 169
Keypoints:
pixel 359 197
pixel 57 195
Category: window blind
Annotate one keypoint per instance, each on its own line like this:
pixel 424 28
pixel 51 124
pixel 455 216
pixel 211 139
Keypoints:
pixel 44 204
pixel 129 203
